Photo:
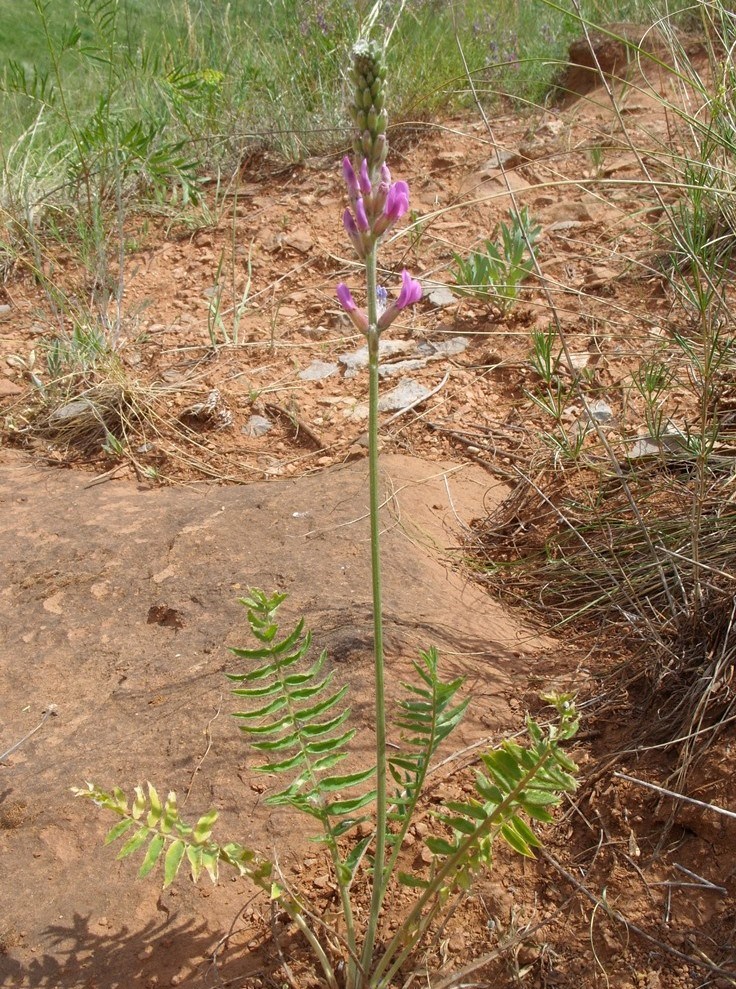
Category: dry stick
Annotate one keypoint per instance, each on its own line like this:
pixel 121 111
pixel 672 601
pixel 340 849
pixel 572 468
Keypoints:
pixel 615 915
pixel 677 796
pixel 277 941
pixel 51 709
pixel 208 736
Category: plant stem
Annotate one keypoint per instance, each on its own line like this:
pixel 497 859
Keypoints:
pixel 380 850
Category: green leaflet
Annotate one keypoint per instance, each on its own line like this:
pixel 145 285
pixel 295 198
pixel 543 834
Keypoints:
pixel 151 856
pixel 154 814
pixel 174 857
pixel 203 827
pixel 117 830
pixel 439 846
pixel 329 784
pixel 134 843
pixel 414 882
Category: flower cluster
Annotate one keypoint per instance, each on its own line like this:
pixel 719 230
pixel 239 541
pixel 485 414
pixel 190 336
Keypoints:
pixel 375 209
pixel 411 292
pixel 377 202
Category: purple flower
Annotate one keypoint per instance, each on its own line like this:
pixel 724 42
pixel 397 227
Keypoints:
pixel 350 180
pixel 364 181
pixel 359 318
pixel 411 292
pixel 397 201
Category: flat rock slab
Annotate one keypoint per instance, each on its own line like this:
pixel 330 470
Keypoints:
pixel 117 605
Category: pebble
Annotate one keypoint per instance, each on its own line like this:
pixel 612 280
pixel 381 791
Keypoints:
pixel 318 370
pixel 257 426
pixel 8 388
pixel 407 392
pixel 442 297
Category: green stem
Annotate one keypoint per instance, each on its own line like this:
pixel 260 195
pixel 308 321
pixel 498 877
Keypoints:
pixel 380 851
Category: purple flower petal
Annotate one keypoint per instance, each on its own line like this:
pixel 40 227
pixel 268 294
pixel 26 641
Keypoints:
pixel 345 298
pixel 349 223
pixel 397 201
pixel 358 317
pixel 350 180
pixel 411 291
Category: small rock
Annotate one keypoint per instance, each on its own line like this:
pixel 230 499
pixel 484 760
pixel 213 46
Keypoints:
pixel 72 410
pixel 600 411
pixel 443 159
pixel 444 348
pixel 300 241
pixel 407 392
pixel 8 388
pixel 442 296
pixel 562 225
pixel 4 309
pixel 651 446
pixel 502 158
pixel 318 370
pixel 401 367
pixel 257 426
pixel 358 360
pixel 314 332
pixel 569 209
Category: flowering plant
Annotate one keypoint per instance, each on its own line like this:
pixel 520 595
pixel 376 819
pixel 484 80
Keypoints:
pixel 294 715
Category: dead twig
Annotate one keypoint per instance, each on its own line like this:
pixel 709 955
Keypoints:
pixel 50 710
pixel 208 736
pixel 677 796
